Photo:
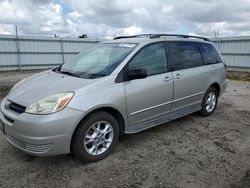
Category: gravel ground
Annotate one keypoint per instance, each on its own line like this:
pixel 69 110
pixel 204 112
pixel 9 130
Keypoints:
pixel 192 151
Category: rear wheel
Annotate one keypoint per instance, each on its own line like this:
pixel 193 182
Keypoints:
pixel 209 102
pixel 96 137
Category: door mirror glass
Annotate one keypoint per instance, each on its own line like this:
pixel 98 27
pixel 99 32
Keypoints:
pixel 137 74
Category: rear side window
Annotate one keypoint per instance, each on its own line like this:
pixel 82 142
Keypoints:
pixel 152 58
pixel 210 54
pixel 184 55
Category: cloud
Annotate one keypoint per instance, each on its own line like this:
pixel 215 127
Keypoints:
pixel 33 17
pixel 110 18
pixel 132 30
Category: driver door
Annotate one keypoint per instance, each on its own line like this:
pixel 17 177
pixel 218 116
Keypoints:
pixel 150 98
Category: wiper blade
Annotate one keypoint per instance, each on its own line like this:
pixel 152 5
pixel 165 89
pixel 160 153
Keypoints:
pixel 57 69
pixel 80 74
pixel 69 73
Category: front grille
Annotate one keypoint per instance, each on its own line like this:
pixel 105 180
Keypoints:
pixel 10 120
pixel 28 147
pixel 16 107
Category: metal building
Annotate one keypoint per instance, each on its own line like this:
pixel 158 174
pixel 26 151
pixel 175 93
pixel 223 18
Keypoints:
pixel 235 51
pixel 27 52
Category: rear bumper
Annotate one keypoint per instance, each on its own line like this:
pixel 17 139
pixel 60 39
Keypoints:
pixel 40 135
pixel 223 86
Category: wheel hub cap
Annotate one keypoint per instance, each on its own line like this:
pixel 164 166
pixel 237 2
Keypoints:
pixel 98 138
pixel 210 102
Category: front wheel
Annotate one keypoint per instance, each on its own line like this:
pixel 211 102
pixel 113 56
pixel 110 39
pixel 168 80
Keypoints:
pixel 96 137
pixel 209 102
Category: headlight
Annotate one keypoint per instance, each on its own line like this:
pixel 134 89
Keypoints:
pixel 51 104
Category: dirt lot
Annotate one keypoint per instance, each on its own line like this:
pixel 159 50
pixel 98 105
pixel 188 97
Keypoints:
pixel 243 76
pixel 192 151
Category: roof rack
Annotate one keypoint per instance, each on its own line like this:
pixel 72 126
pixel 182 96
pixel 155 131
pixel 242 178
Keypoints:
pixel 152 36
pixel 133 36
pixel 178 35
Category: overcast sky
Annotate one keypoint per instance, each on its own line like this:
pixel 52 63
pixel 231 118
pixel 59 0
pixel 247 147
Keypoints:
pixel 108 18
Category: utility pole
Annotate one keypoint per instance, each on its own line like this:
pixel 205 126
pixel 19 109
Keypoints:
pixel 216 36
pixel 18 50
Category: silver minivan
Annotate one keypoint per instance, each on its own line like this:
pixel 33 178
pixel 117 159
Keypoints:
pixel 121 86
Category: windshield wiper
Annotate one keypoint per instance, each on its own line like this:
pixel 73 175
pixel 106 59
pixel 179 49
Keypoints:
pixel 69 73
pixel 57 69
pixel 79 74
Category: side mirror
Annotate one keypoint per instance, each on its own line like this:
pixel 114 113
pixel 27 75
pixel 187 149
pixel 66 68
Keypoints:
pixel 137 74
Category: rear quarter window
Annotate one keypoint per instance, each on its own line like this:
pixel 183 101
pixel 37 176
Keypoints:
pixel 184 55
pixel 210 54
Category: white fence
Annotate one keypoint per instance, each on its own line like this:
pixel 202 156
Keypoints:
pixel 27 52
pixel 235 51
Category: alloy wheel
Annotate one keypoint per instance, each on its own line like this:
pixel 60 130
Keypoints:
pixel 210 102
pixel 98 137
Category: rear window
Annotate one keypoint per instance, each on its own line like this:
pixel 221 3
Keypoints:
pixel 184 55
pixel 210 54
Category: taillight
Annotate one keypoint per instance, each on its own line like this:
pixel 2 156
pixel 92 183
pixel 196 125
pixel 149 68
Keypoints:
pixel 225 65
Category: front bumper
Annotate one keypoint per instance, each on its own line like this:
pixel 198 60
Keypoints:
pixel 40 135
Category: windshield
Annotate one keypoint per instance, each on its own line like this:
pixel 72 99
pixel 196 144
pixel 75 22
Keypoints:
pixel 98 61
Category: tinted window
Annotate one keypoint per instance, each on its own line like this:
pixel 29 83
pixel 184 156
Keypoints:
pixel 210 54
pixel 152 58
pixel 184 55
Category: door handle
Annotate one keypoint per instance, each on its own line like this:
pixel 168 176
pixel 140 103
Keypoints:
pixel 178 76
pixel 168 78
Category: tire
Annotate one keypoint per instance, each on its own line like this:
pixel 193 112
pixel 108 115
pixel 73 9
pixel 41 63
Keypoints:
pixel 205 109
pixel 88 136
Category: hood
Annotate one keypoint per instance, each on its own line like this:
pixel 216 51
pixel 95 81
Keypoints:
pixel 43 85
